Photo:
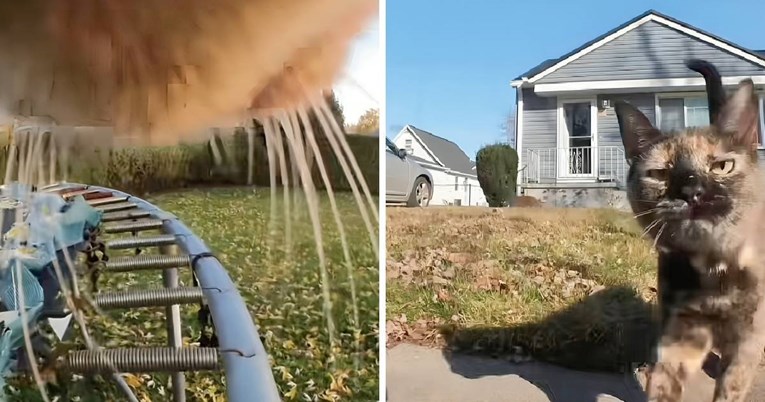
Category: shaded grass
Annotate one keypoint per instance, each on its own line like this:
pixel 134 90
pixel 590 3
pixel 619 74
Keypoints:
pixel 539 275
pixel 283 295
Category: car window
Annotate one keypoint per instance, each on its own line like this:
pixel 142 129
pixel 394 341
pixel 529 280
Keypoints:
pixel 391 146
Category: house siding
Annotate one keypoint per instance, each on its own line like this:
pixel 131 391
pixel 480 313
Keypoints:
pixel 540 128
pixel 650 51
pixel 540 125
pixel 468 190
pixel 417 149
pixel 608 129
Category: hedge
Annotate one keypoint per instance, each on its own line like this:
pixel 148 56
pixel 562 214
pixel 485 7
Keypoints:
pixel 497 170
pixel 151 169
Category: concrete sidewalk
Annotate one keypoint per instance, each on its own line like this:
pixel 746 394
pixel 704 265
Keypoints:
pixel 419 374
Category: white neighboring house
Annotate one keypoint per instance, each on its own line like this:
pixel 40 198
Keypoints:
pixel 454 176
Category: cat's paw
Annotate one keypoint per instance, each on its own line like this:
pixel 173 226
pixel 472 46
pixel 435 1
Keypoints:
pixel 663 385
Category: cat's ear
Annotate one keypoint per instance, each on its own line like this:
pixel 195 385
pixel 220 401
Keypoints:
pixel 715 90
pixel 636 130
pixel 740 116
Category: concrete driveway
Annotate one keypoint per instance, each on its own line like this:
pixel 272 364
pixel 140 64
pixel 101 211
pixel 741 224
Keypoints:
pixel 420 374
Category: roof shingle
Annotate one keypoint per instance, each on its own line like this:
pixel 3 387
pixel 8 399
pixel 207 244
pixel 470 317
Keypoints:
pixel 551 62
pixel 449 153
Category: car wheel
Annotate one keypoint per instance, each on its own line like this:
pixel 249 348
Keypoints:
pixel 420 196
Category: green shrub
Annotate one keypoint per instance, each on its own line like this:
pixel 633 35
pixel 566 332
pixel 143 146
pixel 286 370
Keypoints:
pixel 151 169
pixel 497 168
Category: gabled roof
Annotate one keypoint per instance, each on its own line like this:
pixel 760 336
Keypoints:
pixel 756 56
pixel 445 152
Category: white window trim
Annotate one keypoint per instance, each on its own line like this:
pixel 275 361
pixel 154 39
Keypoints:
pixel 563 142
pixel 761 98
pixel 519 141
pixel 691 83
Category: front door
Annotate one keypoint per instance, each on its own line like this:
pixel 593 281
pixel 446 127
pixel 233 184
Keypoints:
pixel 576 147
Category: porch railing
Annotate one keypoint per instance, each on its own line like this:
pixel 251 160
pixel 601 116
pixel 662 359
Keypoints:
pixel 605 164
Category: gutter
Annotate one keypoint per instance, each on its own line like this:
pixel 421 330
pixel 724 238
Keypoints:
pixel 519 83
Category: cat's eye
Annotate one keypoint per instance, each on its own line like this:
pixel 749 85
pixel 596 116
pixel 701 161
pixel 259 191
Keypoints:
pixel 722 167
pixel 657 174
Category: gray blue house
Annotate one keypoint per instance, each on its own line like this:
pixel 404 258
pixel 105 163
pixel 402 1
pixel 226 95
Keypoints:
pixel 567 134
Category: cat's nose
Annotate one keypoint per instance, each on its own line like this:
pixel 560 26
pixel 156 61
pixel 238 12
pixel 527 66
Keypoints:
pixel 693 193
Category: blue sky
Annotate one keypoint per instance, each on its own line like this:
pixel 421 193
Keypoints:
pixel 450 62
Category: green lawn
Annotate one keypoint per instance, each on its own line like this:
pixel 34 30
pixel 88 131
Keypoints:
pixel 283 295
pixel 572 286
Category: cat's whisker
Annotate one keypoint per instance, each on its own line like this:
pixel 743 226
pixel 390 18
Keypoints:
pixel 658 235
pixel 646 212
pixel 650 226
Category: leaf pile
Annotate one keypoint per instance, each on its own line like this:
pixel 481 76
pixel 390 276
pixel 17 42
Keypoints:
pixel 514 281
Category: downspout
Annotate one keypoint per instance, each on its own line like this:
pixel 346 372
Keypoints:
pixel 519 131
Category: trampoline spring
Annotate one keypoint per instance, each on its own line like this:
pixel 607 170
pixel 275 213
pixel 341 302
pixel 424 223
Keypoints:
pixel 145 262
pixel 116 207
pixel 106 201
pixel 149 298
pixel 123 216
pixel 156 359
pixel 135 226
pixel 69 192
pixel 97 195
pixel 52 187
pixel 140 242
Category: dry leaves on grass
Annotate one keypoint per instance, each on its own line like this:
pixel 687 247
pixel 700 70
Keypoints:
pixel 544 275
pixel 431 267
pixel 561 284
pixel 422 332
pixel 282 296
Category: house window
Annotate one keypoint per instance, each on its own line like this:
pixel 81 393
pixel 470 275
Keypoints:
pixel 696 112
pixel 456 183
pixel 408 146
pixel 677 113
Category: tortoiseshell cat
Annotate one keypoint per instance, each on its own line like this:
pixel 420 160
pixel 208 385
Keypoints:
pixel 700 194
